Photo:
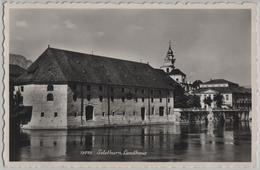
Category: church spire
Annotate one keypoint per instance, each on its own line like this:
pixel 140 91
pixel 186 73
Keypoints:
pixel 169 60
pixel 170 56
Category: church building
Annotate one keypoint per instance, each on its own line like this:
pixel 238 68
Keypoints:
pixel 175 73
pixel 74 90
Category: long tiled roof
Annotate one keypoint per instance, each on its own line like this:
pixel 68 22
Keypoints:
pixel 61 66
pixel 224 90
pixel 219 81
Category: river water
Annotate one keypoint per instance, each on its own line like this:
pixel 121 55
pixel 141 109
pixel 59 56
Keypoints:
pixel 177 143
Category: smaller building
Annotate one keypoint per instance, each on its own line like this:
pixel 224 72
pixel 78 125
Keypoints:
pixel 234 96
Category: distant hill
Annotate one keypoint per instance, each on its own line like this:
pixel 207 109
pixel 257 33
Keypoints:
pixel 20 60
pixel 15 71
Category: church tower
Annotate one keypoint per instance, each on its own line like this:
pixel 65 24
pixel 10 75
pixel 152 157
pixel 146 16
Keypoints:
pixel 169 61
pixel 169 68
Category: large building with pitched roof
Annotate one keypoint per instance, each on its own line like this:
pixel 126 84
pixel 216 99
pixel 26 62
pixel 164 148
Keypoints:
pixel 234 96
pixel 74 90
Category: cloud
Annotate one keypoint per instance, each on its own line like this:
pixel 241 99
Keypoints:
pixel 135 28
pixel 69 24
pixel 56 26
pixel 100 34
pixel 21 24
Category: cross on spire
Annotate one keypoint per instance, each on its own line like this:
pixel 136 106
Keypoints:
pixel 170 44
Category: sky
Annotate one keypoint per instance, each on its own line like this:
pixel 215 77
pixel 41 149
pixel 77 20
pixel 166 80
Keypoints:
pixel 207 43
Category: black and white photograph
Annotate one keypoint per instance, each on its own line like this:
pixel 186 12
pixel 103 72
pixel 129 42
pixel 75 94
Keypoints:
pixel 131 84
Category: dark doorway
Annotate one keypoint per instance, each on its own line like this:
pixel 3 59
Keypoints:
pixel 89 112
pixel 161 110
pixel 143 113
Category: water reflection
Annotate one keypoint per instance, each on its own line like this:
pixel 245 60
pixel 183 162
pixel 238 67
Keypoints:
pixel 212 142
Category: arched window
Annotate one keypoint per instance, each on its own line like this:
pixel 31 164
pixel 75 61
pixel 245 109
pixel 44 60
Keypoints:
pixel 49 97
pixel 50 87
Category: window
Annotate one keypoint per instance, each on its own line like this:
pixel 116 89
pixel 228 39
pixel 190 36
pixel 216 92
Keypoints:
pixel 113 113
pixel 161 111
pixel 227 97
pixel 152 100
pixel 134 113
pixel 177 79
pixel 49 97
pixel 169 111
pixel 136 99
pixel 135 91
pixel 123 89
pixel 50 87
pixel 88 87
pixel 101 98
pixel 152 110
pixel 22 88
pixel 41 143
pixel 142 90
pixel 75 114
pixel 75 97
pixel 123 99
pixel 54 143
pixel 160 92
pixel 42 114
pixel 142 99
pixel 112 89
pixel 55 114
pixel 124 113
pixel 112 98
pixel 88 97
pixel 167 70
pixel 160 100
pixel 103 114
pixel 100 88
pixel 169 100
pixel 151 91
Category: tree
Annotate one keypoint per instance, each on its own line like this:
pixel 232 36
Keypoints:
pixel 196 84
pixel 208 101
pixel 219 100
pixel 193 101
pixel 180 99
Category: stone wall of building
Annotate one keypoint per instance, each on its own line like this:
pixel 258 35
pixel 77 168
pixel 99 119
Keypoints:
pixel 46 114
pixel 124 106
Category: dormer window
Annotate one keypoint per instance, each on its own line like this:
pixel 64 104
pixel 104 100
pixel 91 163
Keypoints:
pixel 50 87
pixel 100 98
